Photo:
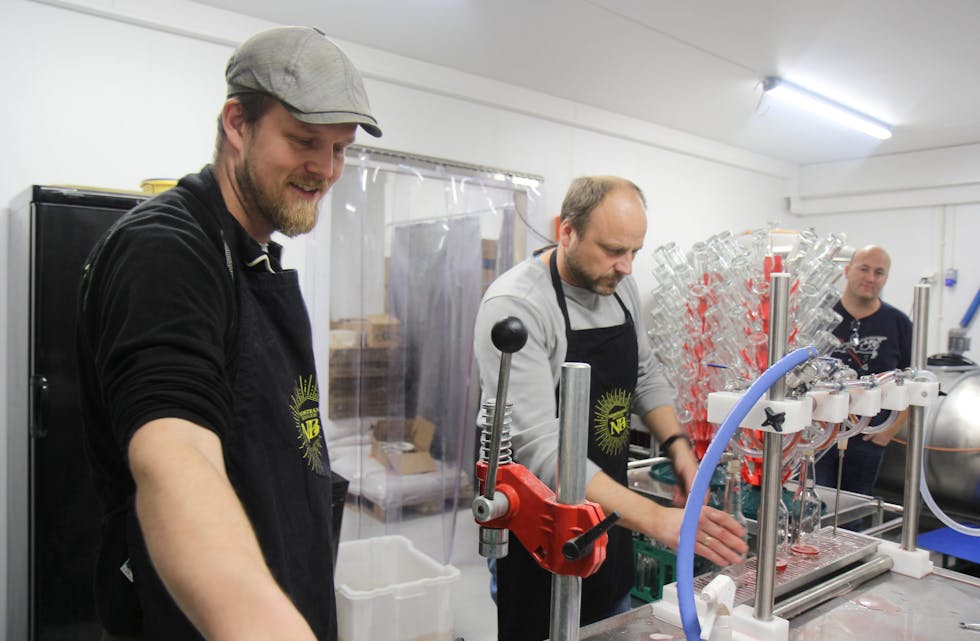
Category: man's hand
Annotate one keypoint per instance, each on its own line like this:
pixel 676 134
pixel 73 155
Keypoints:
pixel 879 438
pixel 719 536
pixel 885 436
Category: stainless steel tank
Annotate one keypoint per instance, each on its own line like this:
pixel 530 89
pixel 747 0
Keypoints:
pixel 953 457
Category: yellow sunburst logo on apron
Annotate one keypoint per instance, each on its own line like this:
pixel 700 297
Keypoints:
pixel 305 405
pixel 612 421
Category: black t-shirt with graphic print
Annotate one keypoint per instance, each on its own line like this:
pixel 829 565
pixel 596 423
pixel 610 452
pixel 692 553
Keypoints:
pixel 877 343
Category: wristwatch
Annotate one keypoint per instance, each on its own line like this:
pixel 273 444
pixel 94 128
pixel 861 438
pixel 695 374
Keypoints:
pixel 665 446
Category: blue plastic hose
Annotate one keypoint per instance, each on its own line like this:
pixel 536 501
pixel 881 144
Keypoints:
pixel 968 316
pixel 695 500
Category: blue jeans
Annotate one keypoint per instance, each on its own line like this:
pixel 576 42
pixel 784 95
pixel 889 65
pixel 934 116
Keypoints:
pixel 624 605
pixel 492 566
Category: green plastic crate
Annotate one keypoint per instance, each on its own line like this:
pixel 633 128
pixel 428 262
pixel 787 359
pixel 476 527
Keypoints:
pixel 653 568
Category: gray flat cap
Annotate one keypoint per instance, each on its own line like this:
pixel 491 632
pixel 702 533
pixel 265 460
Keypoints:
pixel 310 75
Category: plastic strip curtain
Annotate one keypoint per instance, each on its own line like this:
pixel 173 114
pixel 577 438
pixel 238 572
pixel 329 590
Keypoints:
pixel 404 249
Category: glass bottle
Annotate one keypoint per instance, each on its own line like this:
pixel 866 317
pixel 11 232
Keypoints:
pixel 782 535
pixel 807 509
pixel 732 503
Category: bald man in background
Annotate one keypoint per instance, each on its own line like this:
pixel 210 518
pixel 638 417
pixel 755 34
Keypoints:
pixel 875 337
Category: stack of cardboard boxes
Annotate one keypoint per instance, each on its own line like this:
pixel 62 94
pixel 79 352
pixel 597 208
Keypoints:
pixel 367 367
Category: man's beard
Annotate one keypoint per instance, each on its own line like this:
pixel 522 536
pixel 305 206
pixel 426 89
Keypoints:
pixel 288 219
pixel 604 286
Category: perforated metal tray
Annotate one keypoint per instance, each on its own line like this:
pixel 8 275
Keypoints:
pixel 836 552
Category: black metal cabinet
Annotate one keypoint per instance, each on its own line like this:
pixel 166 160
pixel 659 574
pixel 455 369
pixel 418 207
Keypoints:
pixel 54 517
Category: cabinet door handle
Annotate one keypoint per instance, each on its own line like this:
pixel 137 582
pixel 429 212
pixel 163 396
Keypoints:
pixel 39 395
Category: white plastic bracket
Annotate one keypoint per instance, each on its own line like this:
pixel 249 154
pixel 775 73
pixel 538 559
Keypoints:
pixel 829 406
pixel 894 396
pixel 923 393
pixel 746 626
pixel 796 413
pixel 913 563
pixel 667 608
pixel 865 402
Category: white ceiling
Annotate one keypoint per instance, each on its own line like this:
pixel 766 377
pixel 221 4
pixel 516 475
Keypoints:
pixel 697 65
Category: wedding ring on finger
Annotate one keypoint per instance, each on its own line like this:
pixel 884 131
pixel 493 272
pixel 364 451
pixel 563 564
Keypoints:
pixel 707 539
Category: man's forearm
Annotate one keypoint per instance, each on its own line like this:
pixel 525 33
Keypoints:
pixel 636 512
pixel 200 540
pixel 663 424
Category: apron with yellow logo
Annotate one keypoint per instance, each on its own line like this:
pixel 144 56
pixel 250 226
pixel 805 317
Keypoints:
pixel 524 589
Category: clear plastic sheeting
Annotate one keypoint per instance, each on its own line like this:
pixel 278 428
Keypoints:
pixel 403 251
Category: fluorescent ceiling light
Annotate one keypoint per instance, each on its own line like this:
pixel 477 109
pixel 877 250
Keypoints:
pixel 817 104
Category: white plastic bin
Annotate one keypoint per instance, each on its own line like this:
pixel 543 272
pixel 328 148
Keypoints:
pixel 387 590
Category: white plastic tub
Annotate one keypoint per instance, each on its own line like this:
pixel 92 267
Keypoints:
pixel 387 590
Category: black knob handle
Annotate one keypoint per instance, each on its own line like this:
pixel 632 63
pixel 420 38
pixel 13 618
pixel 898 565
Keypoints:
pixel 575 549
pixel 509 335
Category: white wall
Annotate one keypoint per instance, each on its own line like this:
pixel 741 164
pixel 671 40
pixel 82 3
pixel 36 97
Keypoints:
pixel 923 207
pixel 923 243
pixel 109 101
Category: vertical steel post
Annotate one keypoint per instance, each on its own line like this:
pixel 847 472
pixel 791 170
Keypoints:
pixel 573 434
pixel 913 453
pixel 772 456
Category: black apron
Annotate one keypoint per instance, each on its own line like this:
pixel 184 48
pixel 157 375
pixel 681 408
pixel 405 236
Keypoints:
pixel 524 589
pixel 276 457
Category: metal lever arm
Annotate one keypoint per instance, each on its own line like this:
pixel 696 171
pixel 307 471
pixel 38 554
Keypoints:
pixel 575 549
pixel 508 335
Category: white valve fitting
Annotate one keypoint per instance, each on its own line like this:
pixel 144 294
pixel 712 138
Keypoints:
pixel 796 413
pixel 865 402
pixel 923 393
pixel 894 396
pixel 829 406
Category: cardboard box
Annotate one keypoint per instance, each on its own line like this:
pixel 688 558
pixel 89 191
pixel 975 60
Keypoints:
pixel 383 330
pixel 378 330
pixel 344 339
pixel 370 396
pixel 365 382
pixel 402 444
pixel 366 363
pixel 353 324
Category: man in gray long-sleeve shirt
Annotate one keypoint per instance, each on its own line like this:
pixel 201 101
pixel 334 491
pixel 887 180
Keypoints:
pixel 579 303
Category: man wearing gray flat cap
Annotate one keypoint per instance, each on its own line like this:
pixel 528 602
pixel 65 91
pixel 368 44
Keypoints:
pixel 199 389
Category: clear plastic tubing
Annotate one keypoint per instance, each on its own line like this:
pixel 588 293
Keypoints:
pixel 924 485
